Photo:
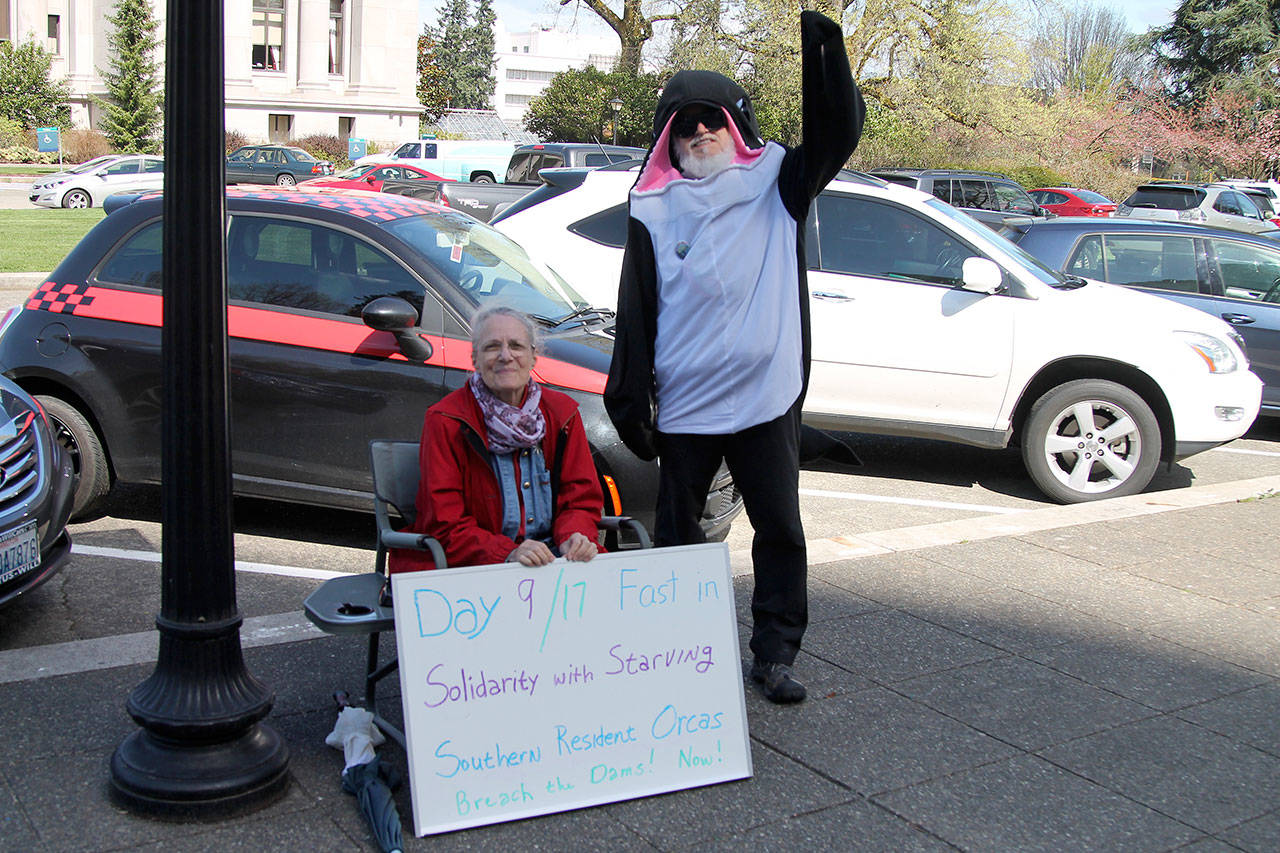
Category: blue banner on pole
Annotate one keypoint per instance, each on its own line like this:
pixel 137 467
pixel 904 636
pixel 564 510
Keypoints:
pixel 355 148
pixel 47 139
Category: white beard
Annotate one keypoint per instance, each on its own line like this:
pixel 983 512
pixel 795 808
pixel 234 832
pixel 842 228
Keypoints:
pixel 699 166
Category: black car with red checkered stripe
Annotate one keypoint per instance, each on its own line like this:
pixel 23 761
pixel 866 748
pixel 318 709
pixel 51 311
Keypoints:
pixel 331 297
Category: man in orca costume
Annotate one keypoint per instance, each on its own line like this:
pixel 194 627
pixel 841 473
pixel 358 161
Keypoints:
pixel 711 358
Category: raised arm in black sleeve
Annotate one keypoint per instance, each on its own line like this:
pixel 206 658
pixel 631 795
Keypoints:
pixel 833 112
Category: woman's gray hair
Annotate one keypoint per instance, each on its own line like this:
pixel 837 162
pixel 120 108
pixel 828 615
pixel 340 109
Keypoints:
pixel 484 314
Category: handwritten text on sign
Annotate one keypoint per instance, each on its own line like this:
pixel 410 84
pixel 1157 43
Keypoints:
pixel 528 691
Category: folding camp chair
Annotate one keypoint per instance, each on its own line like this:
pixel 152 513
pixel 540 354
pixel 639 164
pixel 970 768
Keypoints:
pixel 361 604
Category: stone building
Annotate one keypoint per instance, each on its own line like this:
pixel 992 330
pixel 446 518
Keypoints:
pixel 293 67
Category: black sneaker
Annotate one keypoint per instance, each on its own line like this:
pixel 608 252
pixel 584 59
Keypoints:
pixel 780 686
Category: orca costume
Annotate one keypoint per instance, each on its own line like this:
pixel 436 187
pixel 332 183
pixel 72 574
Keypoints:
pixel 711 358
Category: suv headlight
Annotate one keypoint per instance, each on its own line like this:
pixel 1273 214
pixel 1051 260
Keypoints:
pixel 1216 354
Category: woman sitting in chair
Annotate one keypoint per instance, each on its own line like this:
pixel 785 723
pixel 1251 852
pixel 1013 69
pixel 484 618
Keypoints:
pixel 507 474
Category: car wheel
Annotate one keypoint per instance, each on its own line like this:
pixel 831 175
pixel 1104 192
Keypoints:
pixel 74 432
pixel 77 200
pixel 1090 439
pixel 285 180
pixel 482 178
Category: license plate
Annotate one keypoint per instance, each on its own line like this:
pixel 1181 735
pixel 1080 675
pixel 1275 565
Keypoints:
pixel 19 551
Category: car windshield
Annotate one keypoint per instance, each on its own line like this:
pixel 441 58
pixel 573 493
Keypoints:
pixel 1092 197
pixel 487 265
pixel 90 165
pixel 356 171
pixel 976 232
pixel 299 154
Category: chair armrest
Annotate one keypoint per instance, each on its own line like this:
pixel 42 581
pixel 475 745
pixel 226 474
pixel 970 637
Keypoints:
pixel 416 542
pixel 618 523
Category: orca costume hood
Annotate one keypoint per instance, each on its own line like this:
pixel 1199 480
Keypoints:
pixel 715 90
pixel 687 88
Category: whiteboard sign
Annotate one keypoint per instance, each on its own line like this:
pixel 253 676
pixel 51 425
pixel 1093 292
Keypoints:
pixel 535 690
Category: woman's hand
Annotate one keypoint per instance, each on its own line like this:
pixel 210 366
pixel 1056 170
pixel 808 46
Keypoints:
pixel 578 548
pixel 531 552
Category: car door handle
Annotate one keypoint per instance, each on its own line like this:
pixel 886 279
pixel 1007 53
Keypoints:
pixel 1238 319
pixel 832 296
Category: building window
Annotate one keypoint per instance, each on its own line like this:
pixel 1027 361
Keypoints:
pixel 54 42
pixel 335 36
pixel 268 35
pixel 279 127
pixel 523 74
pixel 518 100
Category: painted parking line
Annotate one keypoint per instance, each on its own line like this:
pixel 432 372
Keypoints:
pixel 836 548
pixel 886 499
pixel 1243 450
pixel 241 565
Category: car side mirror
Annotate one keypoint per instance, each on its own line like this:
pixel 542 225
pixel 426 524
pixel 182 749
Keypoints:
pixel 981 275
pixel 392 314
pixel 369 179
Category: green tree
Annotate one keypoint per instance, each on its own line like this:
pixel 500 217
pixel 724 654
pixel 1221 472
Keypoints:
pixel 480 59
pixel 431 91
pixel 464 53
pixel 696 40
pixel 27 93
pixel 575 107
pixel 1219 44
pixel 632 25
pixel 1084 47
pixel 134 105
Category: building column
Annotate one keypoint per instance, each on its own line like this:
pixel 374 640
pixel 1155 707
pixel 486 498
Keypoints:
pixel 313 45
pixel 238 39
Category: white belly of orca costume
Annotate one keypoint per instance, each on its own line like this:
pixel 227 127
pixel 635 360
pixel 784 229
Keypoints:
pixel 728 347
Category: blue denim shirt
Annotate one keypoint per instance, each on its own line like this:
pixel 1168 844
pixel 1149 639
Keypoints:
pixel 533 491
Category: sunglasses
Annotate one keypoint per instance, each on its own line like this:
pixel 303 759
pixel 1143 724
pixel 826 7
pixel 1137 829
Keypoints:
pixel 686 124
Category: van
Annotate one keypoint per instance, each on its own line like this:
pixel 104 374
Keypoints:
pixel 478 160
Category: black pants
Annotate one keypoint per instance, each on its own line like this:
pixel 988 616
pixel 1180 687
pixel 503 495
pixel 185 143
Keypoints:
pixel 765 464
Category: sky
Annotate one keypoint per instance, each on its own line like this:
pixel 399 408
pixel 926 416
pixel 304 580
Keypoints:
pixel 520 15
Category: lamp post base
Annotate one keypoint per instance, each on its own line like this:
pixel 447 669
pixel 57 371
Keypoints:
pixel 168 778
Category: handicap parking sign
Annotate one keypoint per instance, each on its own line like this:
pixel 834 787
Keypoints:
pixel 355 148
pixel 47 139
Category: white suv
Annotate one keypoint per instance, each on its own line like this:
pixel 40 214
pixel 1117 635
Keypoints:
pixel 927 323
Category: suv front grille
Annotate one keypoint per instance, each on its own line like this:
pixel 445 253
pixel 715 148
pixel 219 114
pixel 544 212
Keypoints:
pixel 20 463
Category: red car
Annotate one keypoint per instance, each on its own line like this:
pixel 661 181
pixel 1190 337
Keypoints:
pixel 1071 201
pixel 371 176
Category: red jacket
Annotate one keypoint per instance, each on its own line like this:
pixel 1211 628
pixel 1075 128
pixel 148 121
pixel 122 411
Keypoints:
pixel 459 499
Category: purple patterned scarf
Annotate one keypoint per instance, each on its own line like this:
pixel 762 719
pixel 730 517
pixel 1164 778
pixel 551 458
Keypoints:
pixel 510 428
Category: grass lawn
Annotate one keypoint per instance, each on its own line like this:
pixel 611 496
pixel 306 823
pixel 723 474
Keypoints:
pixel 37 240
pixel 19 169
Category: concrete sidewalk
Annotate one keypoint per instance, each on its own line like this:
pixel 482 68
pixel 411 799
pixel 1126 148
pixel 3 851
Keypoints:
pixel 1108 685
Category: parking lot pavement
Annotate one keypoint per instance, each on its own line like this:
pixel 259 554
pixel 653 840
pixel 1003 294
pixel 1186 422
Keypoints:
pixel 1098 677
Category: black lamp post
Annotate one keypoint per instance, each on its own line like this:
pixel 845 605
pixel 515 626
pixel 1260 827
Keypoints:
pixel 616 106
pixel 201 749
